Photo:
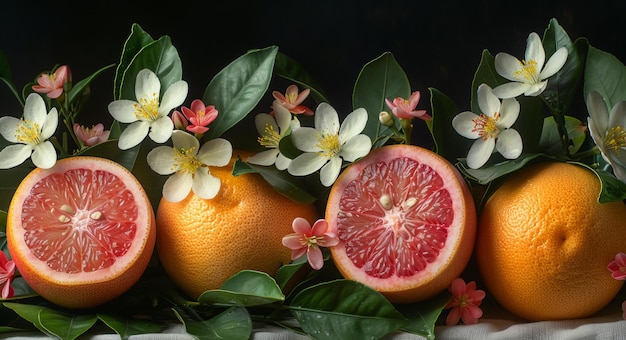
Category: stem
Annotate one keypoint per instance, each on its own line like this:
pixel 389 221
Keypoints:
pixel 407 128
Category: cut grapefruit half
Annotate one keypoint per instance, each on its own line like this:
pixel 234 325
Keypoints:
pixel 82 232
pixel 406 222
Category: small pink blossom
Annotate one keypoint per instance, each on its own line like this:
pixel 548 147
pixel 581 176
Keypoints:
pixel 617 267
pixel 91 136
pixel 7 270
pixel 307 239
pixel 179 120
pixel 465 303
pixel 198 115
pixel 291 100
pixel 405 109
pixel 52 84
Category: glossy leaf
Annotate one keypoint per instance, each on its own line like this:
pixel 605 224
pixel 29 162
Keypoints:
pixel 233 323
pixel 162 58
pixel 238 88
pixel 290 69
pixel 285 184
pixel 448 143
pixel 344 309
pixel 491 171
pixel 125 326
pixel 287 272
pixel 54 323
pixel 424 315
pixel 246 288
pixel 605 74
pixel 137 39
pixel 612 189
pixel 79 87
pixel 380 79
pixel 550 141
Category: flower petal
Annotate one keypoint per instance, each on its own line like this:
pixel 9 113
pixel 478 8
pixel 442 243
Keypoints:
pixel 35 109
pixel 353 124
pixel 292 241
pixel 174 96
pixel 535 51
pixel 488 103
pixel 509 144
pixel 282 162
pixel 161 129
pixel 184 140
pixel 507 66
pixel 262 120
pixel 133 134
pixel 479 152
pixel 14 155
pixel 162 160
pixel 177 186
pixel 306 164
pixel 509 111
pixel 463 124
pixel 315 257
pixel 44 155
pixel 306 139
pixel 147 84
pixel 8 125
pixel 123 111
pixel 264 158
pixel 555 63
pixel 330 171
pixel 356 147
pixel 216 152
pixel 326 119
pixel 50 124
pixel 205 185
pixel 510 90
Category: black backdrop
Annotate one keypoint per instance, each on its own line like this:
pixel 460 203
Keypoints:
pixel 438 43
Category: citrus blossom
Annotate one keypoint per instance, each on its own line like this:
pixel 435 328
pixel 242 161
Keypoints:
pixel 326 145
pixel 617 267
pixel 7 270
pixel 91 136
pixel 292 100
pixel 491 129
pixel 148 116
pixel 199 116
pixel 406 108
pixel 528 76
pixel 465 303
pixel 190 165
pixel 31 134
pixel 52 84
pixel 308 240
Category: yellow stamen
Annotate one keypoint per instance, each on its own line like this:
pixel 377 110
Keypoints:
pixel 270 138
pixel 528 71
pixel 148 108
pixel 615 139
pixel 186 161
pixel 486 126
pixel 28 132
pixel 329 144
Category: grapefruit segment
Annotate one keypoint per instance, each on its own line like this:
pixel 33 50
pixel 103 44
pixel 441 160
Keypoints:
pixel 82 232
pixel 406 222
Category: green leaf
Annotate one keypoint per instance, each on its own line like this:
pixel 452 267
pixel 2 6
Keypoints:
pixel 448 143
pixel 380 79
pixel 344 309
pixel 550 141
pixel 125 326
pixel 612 189
pixel 162 58
pixel 288 68
pixel 562 87
pixel 78 88
pixel 490 172
pixel 52 322
pixel 424 315
pixel 137 39
pixel 485 74
pixel 246 288
pixel 287 272
pixel 284 183
pixel 606 75
pixel 238 88
pixel 233 323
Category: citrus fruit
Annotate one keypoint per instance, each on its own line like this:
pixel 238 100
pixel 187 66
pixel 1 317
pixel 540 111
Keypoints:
pixel 82 232
pixel 544 243
pixel 203 242
pixel 406 222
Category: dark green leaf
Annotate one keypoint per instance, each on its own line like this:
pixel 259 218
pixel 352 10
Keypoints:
pixel 284 183
pixel 287 272
pixel 66 326
pixel 550 141
pixel 162 58
pixel 448 143
pixel 612 189
pixel 238 88
pixel 78 88
pixel 490 172
pixel 606 75
pixel 380 79
pixel 424 315
pixel 344 309
pixel 125 326
pixel 485 74
pixel 137 39
pixel 530 122
pixel 246 288
pixel 233 323
pixel 289 69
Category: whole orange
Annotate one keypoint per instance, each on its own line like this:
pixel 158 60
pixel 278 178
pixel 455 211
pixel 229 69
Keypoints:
pixel 203 242
pixel 544 243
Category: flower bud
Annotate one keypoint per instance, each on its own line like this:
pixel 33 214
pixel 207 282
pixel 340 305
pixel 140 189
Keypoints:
pixel 385 118
pixel 179 120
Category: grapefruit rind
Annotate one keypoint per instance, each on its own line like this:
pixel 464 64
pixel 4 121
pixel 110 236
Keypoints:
pixel 85 289
pixel 453 256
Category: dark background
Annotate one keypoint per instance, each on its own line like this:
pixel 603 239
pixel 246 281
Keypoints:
pixel 438 43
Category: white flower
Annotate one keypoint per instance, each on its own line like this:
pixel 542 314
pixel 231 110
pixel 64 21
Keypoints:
pixel 32 133
pixel 327 144
pixel 272 129
pixel 147 114
pixel 190 165
pixel 607 131
pixel 490 129
pixel 529 75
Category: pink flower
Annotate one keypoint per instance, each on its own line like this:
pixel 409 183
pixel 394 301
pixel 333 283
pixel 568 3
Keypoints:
pixel 179 120
pixel 292 100
pixel 405 109
pixel 91 136
pixel 7 269
pixel 52 84
pixel 464 303
pixel 199 116
pixel 617 267
pixel 309 240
